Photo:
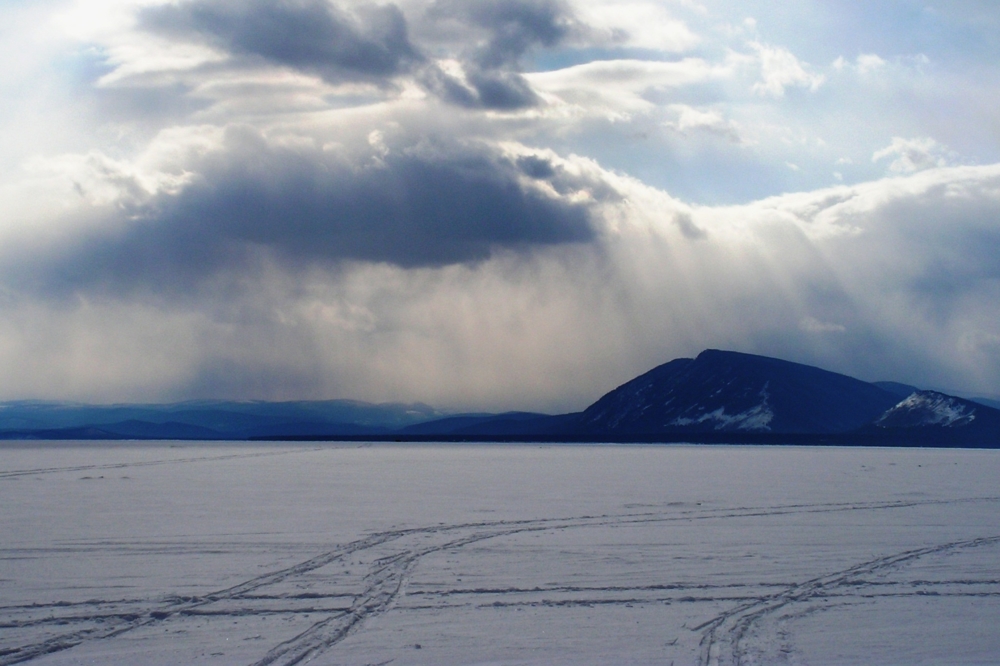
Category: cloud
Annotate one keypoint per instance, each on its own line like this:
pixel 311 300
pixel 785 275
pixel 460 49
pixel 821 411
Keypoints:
pixel 780 69
pixel 506 204
pixel 602 268
pixel 864 63
pixel 498 36
pixel 477 88
pixel 692 119
pixel 643 25
pixel 311 35
pixel 813 325
pixel 619 89
pixel 487 74
pixel 512 27
pixel 868 62
pixel 687 226
pixel 912 154
pixel 423 205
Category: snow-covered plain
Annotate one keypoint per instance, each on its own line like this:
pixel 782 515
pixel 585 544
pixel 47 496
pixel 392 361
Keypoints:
pixel 165 553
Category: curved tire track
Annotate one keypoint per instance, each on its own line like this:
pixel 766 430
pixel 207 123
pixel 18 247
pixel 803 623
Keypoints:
pixel 722 636
pixel 386 580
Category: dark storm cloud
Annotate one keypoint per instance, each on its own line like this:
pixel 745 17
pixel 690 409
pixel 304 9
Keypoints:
pixel 510 29
pixel 483 89
pixel 535 166
pixel 310 35
pixel 513 27
pixel 444 206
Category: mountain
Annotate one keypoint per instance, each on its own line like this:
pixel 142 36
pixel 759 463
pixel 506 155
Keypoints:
pixel 723 391
pixel 724 396
pixel 209 419
pixel 719 396
pixel 470 423
pixel 989 402
pixel 929 408
pixel 507 425
pixel 934 416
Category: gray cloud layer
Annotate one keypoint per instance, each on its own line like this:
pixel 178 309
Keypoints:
pixel 483 89
pixel 513 27
pixel 311 35
pixel 430 205
pixel 510 30
pixel 373 44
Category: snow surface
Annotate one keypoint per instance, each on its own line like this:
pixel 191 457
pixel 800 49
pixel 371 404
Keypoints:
pixel 403 554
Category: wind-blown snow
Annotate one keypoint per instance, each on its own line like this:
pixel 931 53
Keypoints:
pixel 443 554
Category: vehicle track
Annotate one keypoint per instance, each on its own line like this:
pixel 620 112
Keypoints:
pixel 722 636
pixel 10 474
pixel 387 577
pixel 385 584
pixel 163 612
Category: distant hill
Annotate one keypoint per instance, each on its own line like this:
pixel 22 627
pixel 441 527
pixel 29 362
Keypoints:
pixel 719 396
pixel 472 423
pixel 989 402
pixel 209 419
pixel 509 425
pixel 724 396
pixel 936 417
pixel 733 392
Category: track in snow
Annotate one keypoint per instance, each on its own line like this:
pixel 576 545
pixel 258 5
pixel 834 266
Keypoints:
pixel 391 556
pixel 14 473
pixel 722 636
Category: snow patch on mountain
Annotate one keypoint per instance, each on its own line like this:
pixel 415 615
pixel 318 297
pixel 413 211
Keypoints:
pixel 928 408
pixel 757 418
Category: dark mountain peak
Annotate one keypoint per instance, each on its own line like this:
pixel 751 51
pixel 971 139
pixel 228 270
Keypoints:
pixel 732 391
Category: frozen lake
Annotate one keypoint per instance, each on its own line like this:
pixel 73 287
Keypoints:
pixel 194 553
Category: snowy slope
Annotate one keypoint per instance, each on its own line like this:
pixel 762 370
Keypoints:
pixel 929 417
pixel 929 408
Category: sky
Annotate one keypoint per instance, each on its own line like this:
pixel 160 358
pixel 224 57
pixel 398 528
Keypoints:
pixel 492 205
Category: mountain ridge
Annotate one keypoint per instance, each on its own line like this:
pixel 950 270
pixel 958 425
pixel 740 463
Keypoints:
pixel 745 391
pixel 719 396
